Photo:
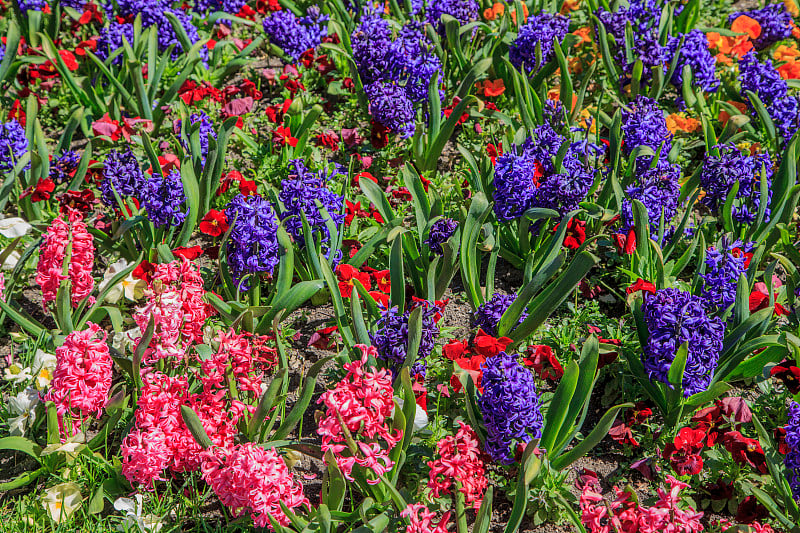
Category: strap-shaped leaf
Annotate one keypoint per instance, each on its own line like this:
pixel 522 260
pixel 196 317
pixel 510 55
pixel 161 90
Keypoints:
pixel 195 427
pixel 592 439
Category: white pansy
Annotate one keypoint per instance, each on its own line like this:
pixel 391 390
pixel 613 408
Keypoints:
pixel 133 515
pixel 130 287
pixel 14 227
pixel 17 374
pixel 420 416
pixel 11 261
pixel 125 340
pixel 44 364
pixel 23 405
pixel 61 501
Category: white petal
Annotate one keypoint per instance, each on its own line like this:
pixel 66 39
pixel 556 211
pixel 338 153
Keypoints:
pixel 14 227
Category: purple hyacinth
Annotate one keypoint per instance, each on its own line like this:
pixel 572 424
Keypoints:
pixel 299 195
pixel 792 459
pixel 785 114
pixel 31 5
pixel 441 230
pixel 658 188
pixel 775 22
pixel 205 131
pixel 465 11
pixel 526 177
pixel 111 39
pixel 121 174
pixel 694 53
pixel 719 173
pixel 389 104
pixel 162 197
pixel 724 265
pixel 643 124
pixel 64 166
pixel 372 45
pixel 294 35
pixel 412 62
pixel 488 314
pixel 674 317
pixel 13 145
pixel 391 336
pixel 761 78
pixel 510 406
pixel 542 30
pixel 253 245
pixel 225 6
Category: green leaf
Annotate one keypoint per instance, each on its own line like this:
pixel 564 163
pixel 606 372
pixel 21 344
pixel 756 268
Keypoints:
pixel 676 369
pixel 301 406
pixel 592 439
pixel 266 402
pixel 559 406
pixel 21 444
pixel 195 426
pixel 396 273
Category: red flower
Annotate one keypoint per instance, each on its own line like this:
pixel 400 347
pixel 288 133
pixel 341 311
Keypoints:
pixel 788 374
pixel 353 210
pixel 189 253
pixel 621 433
pixel 472 365
pixel 494 151
pixel 90 12
pixel 576 233
pixel 750 510
pixel 379 135
pixel 380 298
pixel 625 243
pixel 779 434
pixel 283 136
pixel 17 113
pixel 351 247
pixel 541 358
pixel 607 355
pixel 488 346
pixel 745 450
pixel 455 349
pixel 720 490
pixel 43 190
pixel 759 299
pixel 639 414
pixel 323 339
pixel 81 201
pixel 144 271
pixel 447 111
pixel 329 139
pixel 683 453
pixel 107 127
pixel 383 280
pixel 214 223
pixel 641 285
pixel 347 274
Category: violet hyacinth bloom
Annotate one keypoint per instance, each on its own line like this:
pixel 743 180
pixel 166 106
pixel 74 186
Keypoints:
pixel 299 195
pixel 719 174
pixel 510 407
pixel 206 130
pixel 13 145
pixel 31 5
pixel 542 30
pixel 643 124
pixel 775 22
pixel 696 55
pixel 792 459
pixel 488 314
pixel 724 265
pixel 674 317
pixel 111 39
pixel 763 80
pixel 121 174
pixel 162 197
pixel 441 230
pixel 658 188
pixel 225 6
pixel 64 166
pixel 465 11
pixel 295 35
pixel 391 337
pixel 253 245
pixel 389 104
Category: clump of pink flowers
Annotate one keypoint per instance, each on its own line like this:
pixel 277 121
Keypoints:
pixel 625 515
pixel 2 287
pixel 362 405
pixel 421 519
pixel 250 479
pixel 175 303
pixel 82 377
pixel 71 243
pixel 459 459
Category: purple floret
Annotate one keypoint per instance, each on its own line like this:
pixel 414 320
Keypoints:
pixel 253 245
pixel 488 314
pixel 13 145
pixel 542 30
pixel 775 22
pixel 162 197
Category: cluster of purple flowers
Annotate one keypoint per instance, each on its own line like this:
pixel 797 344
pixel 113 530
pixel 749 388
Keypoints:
pixel 163 197
pixel 658 188
pixel 253 246
pixel 694 53
pixel 643 124
pixel 763 80
pixel 13 145
pixel 299 195
pixel 792 458
pixel 391 337
pixel 510 406
pixel 539 30
pixel 205 131
pixel 465 11
pixel 295 35
pixel 724 265
pixel 674 317
pixel 111 39
pixel 225 6
pixel 488 314
pixel 719 173
pixel 528 177
pixel 441 230
pixel 64 166
pixel 121 174
pixel 396 72
pixel 31 5
pixel 775 22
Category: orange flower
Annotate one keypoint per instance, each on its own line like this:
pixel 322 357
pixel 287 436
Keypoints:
pixel 791 7
pixel 570 5
pixel 795 31
pixel 494 12
pixel 678 122
pixel 785 53
pixel 555 94
pixel 724 116
pixel 790 70
pixel 585 34
pixel 492 88
pixel 524 14
pixel 747 25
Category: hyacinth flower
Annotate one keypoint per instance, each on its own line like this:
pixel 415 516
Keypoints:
pixel 296 35
pixel 763 80
pixel 13 146
pixel 392 336
pixel 540 30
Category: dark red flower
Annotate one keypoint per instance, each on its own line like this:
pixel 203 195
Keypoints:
pixel 214 223
pixel 788 374
pixel 639 413
pixel 379 135
pixel 779 434
pixel 625 242
pixel 684 452
pixel 494 151
pixel 641 285
pixel 576 233
pixel 750 510
pixel 353 211
pixel 81 201
pixel 192 252
pixel 41 192
pixel 719 490
pixel 351 247
pixel 745 450
pixel 621 432
pixel 540 357
pixel 324 339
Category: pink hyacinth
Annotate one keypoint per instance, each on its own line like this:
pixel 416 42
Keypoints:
pixel 145 456
pixel 2 287
pixel 459 460
pixel 250 479
pixel 175 302
pixel 364 401
pixel 421 519
pixel 63 238
pixel 82 377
